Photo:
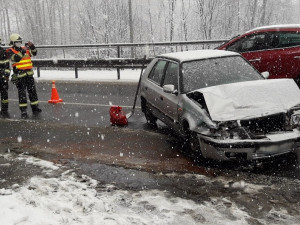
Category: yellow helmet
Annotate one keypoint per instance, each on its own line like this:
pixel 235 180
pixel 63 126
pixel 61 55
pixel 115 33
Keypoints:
pixel 14 38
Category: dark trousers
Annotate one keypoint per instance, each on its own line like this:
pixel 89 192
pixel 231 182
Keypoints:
pixel 4 94
pixel 23 84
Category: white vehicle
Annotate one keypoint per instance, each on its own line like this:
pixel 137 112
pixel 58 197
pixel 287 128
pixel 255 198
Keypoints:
pixel 223 106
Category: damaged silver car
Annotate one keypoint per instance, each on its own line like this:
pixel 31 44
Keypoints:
pixel 223 106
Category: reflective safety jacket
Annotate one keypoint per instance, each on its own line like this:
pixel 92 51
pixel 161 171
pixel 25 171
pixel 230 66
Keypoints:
pixel 25 63
pixel 21 61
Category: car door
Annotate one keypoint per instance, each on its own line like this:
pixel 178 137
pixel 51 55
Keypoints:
pixel 170 100
pixel 153 88
pixel 276 52
pixel 285 50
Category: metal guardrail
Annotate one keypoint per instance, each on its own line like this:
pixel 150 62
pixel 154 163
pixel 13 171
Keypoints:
pixel 88 63
pixel 118 62
pixel 173 43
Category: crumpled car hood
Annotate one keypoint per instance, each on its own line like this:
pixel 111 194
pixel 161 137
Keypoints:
pixel 251 99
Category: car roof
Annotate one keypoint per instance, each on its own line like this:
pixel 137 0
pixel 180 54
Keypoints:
pixel 279 26
pixel 197 55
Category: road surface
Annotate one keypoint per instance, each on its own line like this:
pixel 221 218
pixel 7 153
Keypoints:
pixel 77 133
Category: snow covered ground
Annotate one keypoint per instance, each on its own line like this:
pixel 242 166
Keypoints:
pixel 126 75
pixel 72 199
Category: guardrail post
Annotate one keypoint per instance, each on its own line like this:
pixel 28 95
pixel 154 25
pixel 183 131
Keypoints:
pixel 118 72
pixel 119 55
pixel 76 72
pixel 38 72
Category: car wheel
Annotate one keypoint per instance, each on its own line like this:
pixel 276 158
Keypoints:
pixel 151 119
pixel 194 144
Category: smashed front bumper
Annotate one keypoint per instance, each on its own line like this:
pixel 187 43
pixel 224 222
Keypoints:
pixel 229 149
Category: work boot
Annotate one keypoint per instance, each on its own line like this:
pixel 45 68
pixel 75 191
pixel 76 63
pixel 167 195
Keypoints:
pixel 4 113
pixel 4 110
pixel 24 114
pixel 35 109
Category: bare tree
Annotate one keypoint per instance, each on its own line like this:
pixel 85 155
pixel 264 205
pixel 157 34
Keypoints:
pixel 172 4
pixel 253 13
pixel 105 21
pixel 263 16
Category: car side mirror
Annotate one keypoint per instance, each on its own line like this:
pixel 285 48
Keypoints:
pixel 265 74
pixel 170 88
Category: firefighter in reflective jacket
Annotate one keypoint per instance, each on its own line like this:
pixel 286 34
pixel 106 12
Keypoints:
pixel 4 77
pixel 20 57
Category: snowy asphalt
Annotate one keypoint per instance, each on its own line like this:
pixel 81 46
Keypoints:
pixel 135 157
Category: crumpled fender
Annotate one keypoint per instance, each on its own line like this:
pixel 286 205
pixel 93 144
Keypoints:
pixel 197 117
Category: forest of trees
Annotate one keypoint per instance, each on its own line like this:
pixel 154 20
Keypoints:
pixel 111 21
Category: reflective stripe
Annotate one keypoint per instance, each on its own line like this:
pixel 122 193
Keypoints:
pixel 25 63
pixel 4 61
pixel 34 103
pixel 23 105
pixel 5 101
pixel 24 74
pixel 30 73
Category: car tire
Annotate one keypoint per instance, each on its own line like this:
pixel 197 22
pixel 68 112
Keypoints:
pixel 151 119
pixel 194 146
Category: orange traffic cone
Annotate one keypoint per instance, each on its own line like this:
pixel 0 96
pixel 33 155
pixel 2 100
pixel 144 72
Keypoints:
pixel 54 96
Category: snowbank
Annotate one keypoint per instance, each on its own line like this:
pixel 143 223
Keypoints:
pixel 72 199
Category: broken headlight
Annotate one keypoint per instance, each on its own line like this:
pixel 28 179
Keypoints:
pixel 229 130
pixel 295 120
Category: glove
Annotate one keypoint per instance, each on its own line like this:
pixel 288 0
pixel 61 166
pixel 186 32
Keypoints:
pixel 14 78
pixel 30 45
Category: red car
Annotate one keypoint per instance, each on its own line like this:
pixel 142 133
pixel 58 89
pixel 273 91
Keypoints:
pixel 275 49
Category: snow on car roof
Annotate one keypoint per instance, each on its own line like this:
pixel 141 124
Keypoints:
pixel 196 55
pixel 279 26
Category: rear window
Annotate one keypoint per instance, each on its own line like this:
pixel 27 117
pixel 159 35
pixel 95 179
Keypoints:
pixel 217 71
pixel 284 39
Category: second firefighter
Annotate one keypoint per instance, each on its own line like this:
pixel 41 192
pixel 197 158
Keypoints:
pixel 4 77
pixel 20 57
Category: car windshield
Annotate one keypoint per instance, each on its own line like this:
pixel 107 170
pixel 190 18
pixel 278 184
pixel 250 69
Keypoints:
pixel 216 71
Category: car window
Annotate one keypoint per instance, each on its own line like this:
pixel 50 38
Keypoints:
pixel 171 76
pixel 216 71
pixel 253 42
pixel 284 39
pixel 157 72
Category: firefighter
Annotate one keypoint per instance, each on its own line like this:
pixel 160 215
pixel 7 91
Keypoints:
pixel 4 77
pixel 20 57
